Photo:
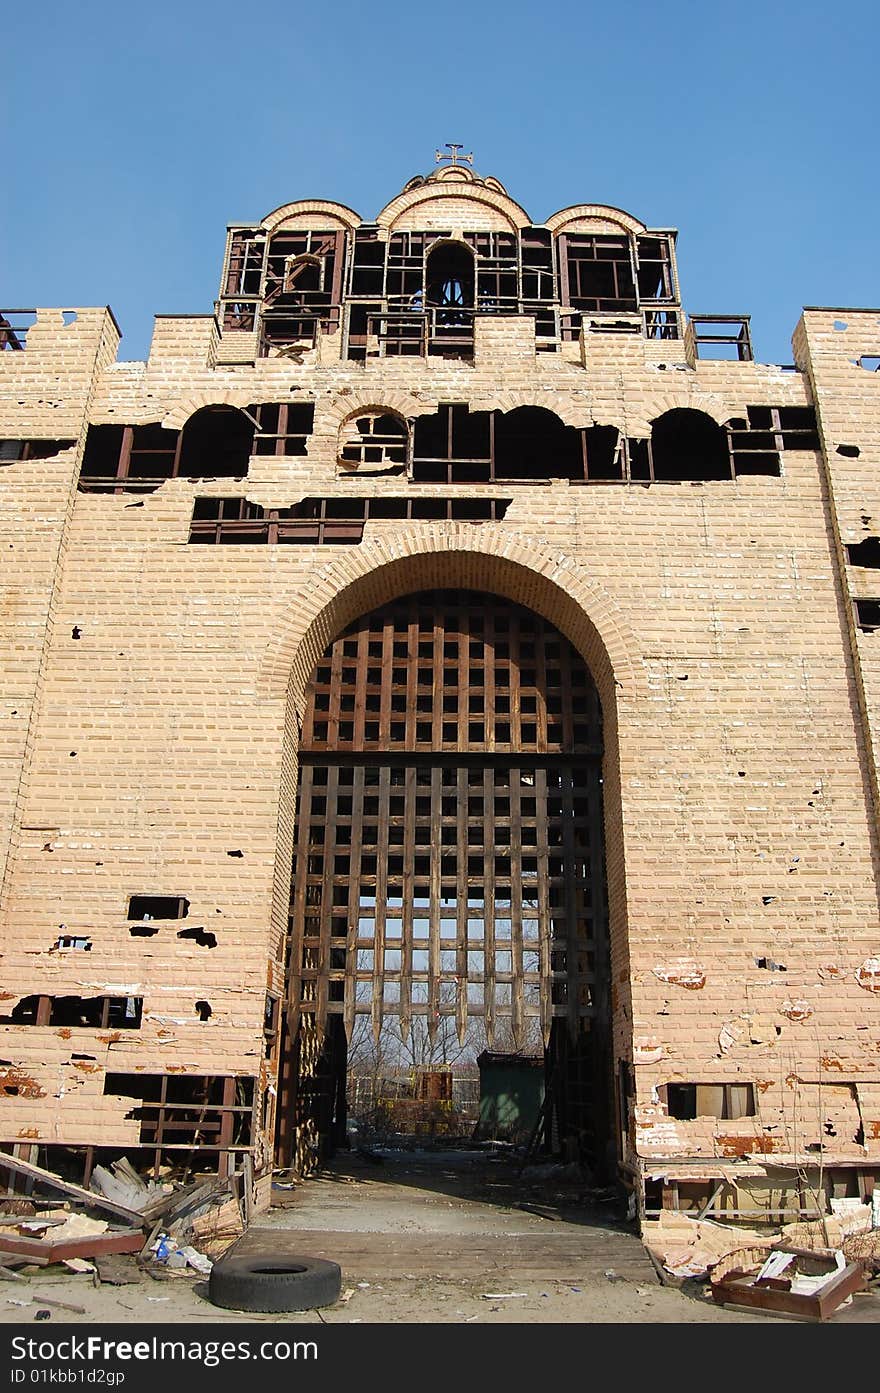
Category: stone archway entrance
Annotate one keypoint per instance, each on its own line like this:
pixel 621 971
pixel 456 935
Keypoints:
pixel 448 871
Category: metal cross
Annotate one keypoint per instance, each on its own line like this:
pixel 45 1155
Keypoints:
pixel 454 158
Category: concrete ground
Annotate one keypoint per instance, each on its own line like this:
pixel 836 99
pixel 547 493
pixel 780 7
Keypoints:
pixel 422 1237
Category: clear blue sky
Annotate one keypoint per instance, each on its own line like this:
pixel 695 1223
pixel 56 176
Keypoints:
pixel 131 134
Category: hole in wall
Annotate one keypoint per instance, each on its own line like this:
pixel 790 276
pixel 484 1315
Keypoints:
pixel 203 937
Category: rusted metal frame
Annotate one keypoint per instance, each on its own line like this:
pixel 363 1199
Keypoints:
pixel 227 1120
pixel 339 264
pixel 434 897
pixel 300 897
pixel 387 682
pixel 565 692
pixel 381 896
pixel 488 887
pixel 463 681
pixel 516 915
pixel 437 691
pixel 407 891
pixel 462 995
pixel 325 918
pixel 729 435
pixel 359 714
pixel 541 743
pixel 354 900
pixel 573 976
pixel 543 899
pixel 513 636
pixel 336 689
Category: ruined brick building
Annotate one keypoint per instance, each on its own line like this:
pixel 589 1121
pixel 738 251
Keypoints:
pixel 446 626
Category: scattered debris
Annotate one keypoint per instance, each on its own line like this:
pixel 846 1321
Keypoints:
pixel 789 1281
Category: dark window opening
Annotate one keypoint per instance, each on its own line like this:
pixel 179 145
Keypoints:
pixel 654 257
pixel 325 521
pixel 283 428
pixel 688 445
pixel 375 443
pixel 868 615
pixel 686 1101
pixel 157 907
pixel 368 263
pixel 204 1010
pixel 597 273
pixel 303 287
pixel 211 1112
pixel 866 553
pixel 538 272
pixel 216 443
pixel 849 451
pixel 13 450
pixel 100 1012
pixel 128 459
pixel 245 264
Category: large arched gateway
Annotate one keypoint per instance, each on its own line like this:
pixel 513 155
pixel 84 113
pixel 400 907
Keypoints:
pixel 449 868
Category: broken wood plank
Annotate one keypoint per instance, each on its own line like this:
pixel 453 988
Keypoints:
pixel 86 1197
pixel 58 1305
pixel 35 1249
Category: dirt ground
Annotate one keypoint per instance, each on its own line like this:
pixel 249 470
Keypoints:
pixel 424 1237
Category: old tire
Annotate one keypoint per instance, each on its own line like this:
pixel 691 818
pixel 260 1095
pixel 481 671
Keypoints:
pixel 274 1283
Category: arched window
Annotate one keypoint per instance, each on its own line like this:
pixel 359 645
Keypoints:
pixel 449 278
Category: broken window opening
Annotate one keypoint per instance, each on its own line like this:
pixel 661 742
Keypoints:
pixel 283 428
pixel 865 553
pixel 374 443
pixel 596 273
pixel 157 907
pixel 216 442
pixel 244 271
pixel 13 450
pixel 688 445
pixel 458 446
pixel 687 1101
pixel 869 362
pixel 325 521
pixel 722 337
pixel 302 289
pixel 100 1012
pixel 662 324
pixel 211 1112
pixel 14 326
pixel 70 943
pixel 654 260
pixel 867 614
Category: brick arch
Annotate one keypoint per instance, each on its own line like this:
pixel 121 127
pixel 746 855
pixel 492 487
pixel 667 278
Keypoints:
pixel 403 404
pixel 513 214
pixel 444 557
pixel 179 414
pixel 587 211
pixel 709 403
pixel 318 207
pixel 472 558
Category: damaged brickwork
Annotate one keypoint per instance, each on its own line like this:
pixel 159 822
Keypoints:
pixel 447 399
